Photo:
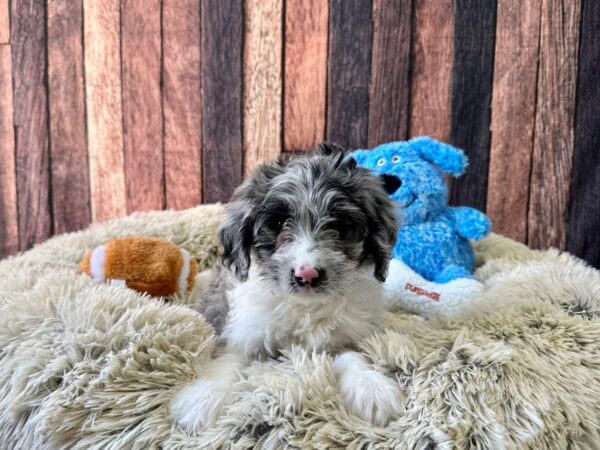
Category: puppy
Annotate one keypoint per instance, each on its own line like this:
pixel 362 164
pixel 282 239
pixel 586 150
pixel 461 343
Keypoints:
pixel 306 246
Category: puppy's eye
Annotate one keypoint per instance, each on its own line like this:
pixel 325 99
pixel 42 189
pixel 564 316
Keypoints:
pixel 339 227
pixel 345 230
pixel 276 223
pixel 395 159
pixel 381 162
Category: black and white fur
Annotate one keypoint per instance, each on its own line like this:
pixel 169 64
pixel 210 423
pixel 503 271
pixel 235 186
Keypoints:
pixel 318 210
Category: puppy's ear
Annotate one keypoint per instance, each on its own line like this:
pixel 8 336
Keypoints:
pixel 236 237
pixel 382 228
pixel 237 231
pixel 450 159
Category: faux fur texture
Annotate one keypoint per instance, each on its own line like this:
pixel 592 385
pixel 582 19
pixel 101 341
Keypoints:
pixel 433 238
pixel 86 366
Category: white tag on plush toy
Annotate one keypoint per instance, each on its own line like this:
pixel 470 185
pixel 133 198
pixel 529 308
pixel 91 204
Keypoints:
pixel 407 290
pixel 117 282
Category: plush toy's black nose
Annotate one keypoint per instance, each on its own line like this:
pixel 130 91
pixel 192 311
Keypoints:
pixel 391 183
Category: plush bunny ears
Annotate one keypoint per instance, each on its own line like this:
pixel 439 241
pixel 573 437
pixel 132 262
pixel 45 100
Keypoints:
pixel 449 159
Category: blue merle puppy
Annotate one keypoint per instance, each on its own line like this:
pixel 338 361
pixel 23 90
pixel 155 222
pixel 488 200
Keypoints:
pixel 306 246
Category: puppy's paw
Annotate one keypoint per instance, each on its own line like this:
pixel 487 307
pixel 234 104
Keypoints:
pixel 199 404
pixel 367 393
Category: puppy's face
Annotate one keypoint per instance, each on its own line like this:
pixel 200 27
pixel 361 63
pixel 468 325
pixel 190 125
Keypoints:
pixel 309 226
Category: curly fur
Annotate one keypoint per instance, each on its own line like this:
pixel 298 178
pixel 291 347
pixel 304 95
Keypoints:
pixel 319 210
pixel 433 238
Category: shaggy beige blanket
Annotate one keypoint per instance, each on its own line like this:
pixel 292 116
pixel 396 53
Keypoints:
pixel 93 366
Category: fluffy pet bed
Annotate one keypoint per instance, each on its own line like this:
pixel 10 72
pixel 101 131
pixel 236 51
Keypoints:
pixel 93 366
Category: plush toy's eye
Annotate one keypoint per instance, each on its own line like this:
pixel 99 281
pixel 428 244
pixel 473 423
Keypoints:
pixel 395 158
pixel 381 162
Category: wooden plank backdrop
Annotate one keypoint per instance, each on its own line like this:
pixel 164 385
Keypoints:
pixel 472 74
pixel 513 113
pixel 69 162
pixel 142 104
pixel 114 106
pixel 305 77
pixel 583 217
pixel 390 70
pixel 222 38
pixel 554 123
pixel 30 120
pixel 182 103
pixel 432 46
pixel 350 39
pixel 104 107
pixel 262 82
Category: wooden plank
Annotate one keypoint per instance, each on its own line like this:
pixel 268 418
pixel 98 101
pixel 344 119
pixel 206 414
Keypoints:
pixel 262 82
pixel 390 71
pixel 554 124
pixel 69 165
pixel 142 104
pixel 222 24
pixel 9 230
pixel 431 68
pixel 472 73
pixel 305 73
pixel 513 115
pixel 349 72
pixel 28 45
pixel 584 209
pixel 102 59
pixel 4 22
pixel 182 103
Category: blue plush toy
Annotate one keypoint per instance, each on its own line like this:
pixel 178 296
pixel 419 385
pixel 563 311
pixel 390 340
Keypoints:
pixel 433 238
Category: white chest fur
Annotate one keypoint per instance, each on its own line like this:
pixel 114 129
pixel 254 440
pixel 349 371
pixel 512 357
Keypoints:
pixel 263 321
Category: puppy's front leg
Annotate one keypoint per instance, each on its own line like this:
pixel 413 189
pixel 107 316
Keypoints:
pixel 367 393
pixel 199 404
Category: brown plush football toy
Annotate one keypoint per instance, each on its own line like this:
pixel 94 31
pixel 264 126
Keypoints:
pixel 151 265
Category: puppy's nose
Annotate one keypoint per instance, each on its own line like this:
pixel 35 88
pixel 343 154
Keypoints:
pixel 308 276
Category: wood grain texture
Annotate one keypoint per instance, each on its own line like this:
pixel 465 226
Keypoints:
pixel 4 22
pixel 69 160
pixel 513 115
pixel 305 73
pixel 133 104
pixel 584 208
pixel 472 73
pixel 390 71
pixel 431 68
pixel 9 230
pixel 262 82
pixel 142 104
pixel 28 45
pixel 182 103
pixel 555 119
pixel 102 59
pixel 349 72
pixel 222 24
